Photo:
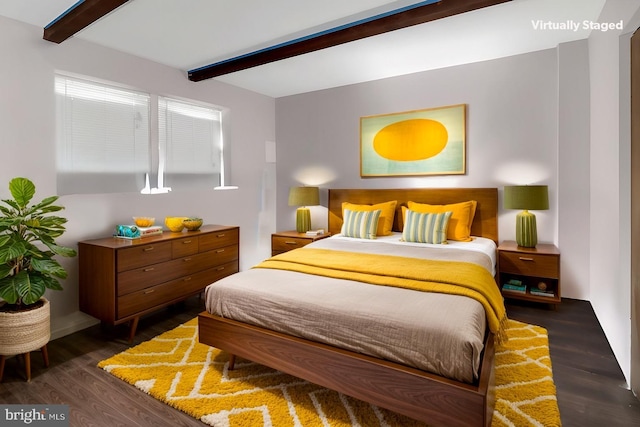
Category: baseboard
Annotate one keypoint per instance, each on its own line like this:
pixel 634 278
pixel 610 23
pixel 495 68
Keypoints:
pixel 74 322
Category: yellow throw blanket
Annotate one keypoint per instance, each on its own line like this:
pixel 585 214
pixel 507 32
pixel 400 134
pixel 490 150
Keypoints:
pixel 450 277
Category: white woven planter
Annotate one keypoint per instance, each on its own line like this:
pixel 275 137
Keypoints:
pixel 24 331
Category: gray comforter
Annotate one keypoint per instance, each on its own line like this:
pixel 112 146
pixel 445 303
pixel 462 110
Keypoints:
pixel 438 333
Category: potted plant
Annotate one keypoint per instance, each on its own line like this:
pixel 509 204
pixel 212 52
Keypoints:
pixel 28 267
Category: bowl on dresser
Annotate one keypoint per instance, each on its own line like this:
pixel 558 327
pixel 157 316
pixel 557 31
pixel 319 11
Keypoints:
pixel 175 223
pixel 192 224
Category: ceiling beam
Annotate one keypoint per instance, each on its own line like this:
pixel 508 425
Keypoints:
pixel 77 17
pixel 421 13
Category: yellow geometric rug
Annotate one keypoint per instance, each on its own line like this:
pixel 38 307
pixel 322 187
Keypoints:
pixel 194 378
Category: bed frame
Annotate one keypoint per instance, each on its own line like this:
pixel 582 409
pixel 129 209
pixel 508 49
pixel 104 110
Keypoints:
pixel 423 396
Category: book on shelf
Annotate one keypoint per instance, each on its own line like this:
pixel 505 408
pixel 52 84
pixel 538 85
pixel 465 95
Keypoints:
pixel 542 293
pixel 508 287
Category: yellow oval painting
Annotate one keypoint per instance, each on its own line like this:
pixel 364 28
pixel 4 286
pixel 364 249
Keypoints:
pixel 415 139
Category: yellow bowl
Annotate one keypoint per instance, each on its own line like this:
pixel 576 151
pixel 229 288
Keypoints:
pixel 192 224
pixel 144 221
pixel 174 223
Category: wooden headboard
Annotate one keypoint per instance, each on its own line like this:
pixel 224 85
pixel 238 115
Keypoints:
pixel 485 222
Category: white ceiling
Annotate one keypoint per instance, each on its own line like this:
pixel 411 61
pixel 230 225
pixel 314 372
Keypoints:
pixel 188 34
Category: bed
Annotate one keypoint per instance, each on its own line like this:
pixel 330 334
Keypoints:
pixel 394 381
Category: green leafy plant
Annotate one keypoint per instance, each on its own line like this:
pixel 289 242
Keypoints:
pixel 28 245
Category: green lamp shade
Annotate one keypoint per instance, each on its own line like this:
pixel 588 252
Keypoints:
pixel 303 196
pixel 525 197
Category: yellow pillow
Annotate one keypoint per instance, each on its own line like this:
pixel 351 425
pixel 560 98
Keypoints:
pixel 461 219
pixel 385 224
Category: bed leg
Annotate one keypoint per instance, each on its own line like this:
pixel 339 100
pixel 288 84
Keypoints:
pixel 232 361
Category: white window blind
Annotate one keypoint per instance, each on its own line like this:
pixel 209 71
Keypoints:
pixel 190 145
pixel 103 137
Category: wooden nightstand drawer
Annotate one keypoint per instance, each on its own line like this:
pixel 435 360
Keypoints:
pixel 279 243
pixel 529 264
pixel 287 240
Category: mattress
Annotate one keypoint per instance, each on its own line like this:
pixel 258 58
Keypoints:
pixel 435 332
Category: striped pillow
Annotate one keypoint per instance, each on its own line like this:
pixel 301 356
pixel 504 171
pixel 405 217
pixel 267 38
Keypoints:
pixel 360 224
pixel 426 227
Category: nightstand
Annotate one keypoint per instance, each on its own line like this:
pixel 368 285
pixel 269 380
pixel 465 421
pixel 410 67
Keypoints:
pixel 531 274
pixel 284 241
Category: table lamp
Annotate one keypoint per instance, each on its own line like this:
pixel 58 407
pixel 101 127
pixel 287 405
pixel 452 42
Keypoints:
pixel 526 197
pixel 303 197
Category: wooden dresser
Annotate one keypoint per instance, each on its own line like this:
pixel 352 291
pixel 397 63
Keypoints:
pixel 121 280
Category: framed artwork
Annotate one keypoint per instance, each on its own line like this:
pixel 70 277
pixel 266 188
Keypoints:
pixel 421 142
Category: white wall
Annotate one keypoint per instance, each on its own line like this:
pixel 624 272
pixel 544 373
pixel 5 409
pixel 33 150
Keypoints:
pixel 512 126
pixel 610 180
pixel 573 170
pixel 27 143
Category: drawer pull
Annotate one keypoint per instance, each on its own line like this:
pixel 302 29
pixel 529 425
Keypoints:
pixel 186 259
pixel 148 269
pixel 186 242
pixel 148 291
pixel 186 279
pixel 220 269
pixel 147 249
pixel 219 251
pixel 220 235
pixel 522 258
pixel 289 242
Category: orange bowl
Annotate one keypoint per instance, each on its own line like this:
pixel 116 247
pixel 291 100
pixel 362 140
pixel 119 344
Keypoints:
pixel 144 221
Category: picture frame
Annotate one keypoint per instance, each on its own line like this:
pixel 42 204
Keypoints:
pixel 414 143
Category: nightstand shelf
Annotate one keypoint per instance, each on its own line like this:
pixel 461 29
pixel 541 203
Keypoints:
pixel 534 268
pixel 284 241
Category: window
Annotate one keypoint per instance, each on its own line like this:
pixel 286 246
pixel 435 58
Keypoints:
pixel 103 137
pixel 105 141
pixel 190 145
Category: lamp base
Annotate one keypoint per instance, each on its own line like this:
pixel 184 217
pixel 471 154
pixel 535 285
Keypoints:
pixel 303 220
pixel 526 231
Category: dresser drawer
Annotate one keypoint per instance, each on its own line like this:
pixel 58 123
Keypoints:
pixel 150 275
pixel 141 255
pixel 223 255
pixel 197 282
pixel 153 297
pixel 184 247
pixel 165 293
pixel 218 239
pixel 529 264
pixel 217 273
pixel 283 244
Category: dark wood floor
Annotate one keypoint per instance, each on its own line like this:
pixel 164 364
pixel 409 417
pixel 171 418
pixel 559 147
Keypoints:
pixel 590 387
